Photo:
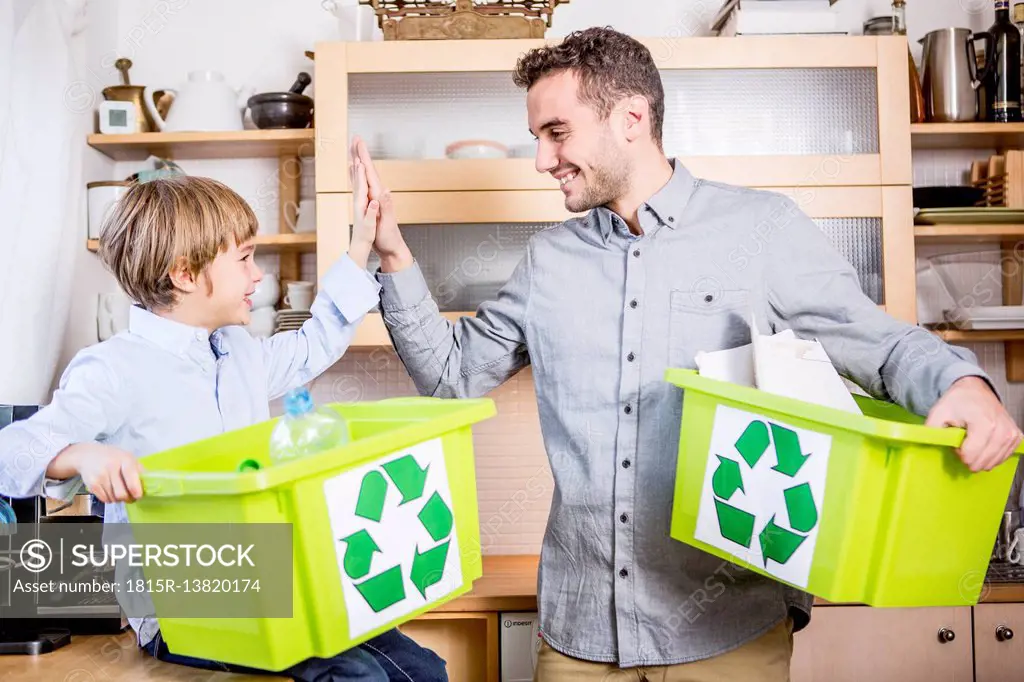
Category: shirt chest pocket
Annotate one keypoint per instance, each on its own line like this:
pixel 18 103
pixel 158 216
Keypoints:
pixel 706 321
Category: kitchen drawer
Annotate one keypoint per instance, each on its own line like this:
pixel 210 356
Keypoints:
pixel 858 643
pixel 999 642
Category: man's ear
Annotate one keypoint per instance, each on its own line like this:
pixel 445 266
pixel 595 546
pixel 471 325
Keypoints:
pixel 182 277
pixel 636 117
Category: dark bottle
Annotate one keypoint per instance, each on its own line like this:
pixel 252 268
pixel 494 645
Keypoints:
pixel 1003 87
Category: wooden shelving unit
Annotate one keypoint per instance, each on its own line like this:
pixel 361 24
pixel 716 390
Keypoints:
pixel 981 135
pixel 287 146
pixel 273 243
pixel 966 135
pixel 241 144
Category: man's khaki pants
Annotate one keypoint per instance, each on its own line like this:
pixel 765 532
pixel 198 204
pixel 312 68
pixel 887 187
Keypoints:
pixel 766 659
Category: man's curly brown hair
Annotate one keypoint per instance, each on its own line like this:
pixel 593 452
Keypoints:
pixel 609 65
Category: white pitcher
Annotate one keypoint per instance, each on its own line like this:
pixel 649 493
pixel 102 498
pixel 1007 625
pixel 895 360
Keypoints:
pixel 205 103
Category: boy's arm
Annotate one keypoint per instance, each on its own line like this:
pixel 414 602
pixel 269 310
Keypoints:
pixel 346 293
pixel 87 406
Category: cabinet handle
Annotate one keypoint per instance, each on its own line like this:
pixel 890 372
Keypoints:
pixel 946 635
pixel 1004 633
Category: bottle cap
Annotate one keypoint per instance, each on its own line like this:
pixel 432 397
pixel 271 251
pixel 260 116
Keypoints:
pixel 297 402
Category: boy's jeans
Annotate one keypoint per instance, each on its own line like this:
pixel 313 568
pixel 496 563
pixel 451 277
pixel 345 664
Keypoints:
pixel 389 657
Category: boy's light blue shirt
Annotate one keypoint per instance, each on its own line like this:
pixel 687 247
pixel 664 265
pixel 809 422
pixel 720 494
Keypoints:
pixel 162 384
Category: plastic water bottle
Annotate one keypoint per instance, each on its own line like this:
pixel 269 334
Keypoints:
pixel 305 429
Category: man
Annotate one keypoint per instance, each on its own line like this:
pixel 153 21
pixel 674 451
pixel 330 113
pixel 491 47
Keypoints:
pixel 661 266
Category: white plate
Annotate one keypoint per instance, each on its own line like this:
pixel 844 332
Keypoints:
pixel 986 317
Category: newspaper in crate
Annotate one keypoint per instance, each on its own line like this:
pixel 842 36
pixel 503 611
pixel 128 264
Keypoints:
pixel 763 492
pixel 393 525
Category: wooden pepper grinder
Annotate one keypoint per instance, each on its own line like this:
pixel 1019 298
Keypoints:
pixel 899 27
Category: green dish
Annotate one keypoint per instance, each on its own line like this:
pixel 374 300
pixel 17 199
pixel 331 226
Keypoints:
pixel 968 216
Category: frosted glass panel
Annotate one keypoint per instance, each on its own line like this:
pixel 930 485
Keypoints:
pixel 860 241
pixel 707 113
pixel 465 264
pixel 778 111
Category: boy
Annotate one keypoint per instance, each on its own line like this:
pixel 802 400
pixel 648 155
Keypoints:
pixel 182 249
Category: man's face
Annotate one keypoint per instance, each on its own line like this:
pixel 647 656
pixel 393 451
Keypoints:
pixel 586 154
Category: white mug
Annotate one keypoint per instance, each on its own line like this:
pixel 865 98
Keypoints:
pixel 299 296
pixel 1015 552
pixel 261 322
pixel 112 312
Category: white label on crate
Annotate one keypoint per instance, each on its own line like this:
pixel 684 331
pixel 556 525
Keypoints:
pixel 763 492
pixel 394 535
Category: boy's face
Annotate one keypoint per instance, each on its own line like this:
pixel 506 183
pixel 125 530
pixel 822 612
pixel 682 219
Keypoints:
pixel 230 280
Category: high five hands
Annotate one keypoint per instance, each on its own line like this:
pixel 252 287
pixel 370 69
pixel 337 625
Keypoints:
pixel 374 222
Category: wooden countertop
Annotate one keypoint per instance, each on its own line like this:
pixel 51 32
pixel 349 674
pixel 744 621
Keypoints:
pixel 509 583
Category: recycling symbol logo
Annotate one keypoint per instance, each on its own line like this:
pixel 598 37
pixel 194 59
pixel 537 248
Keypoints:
pixel 392 496
pixel 774 452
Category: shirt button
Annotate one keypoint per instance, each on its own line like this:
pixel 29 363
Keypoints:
pixel 199 336
pixel 671 219
pixel 624 518
pixel 708 298
pixel 623 573
pixel 628 409
pixel 626 463
pixel 631 357
pixel 636 253
pixel 633 303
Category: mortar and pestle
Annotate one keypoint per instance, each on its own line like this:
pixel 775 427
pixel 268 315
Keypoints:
pixel 289 109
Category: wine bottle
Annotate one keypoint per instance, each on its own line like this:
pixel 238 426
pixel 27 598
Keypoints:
pixel 1004 81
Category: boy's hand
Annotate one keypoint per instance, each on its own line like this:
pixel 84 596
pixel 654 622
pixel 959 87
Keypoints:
pixel 364 218
pixel 111 474
pixel 389 243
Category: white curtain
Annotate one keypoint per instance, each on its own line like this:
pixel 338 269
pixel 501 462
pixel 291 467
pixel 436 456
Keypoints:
pixel 45 115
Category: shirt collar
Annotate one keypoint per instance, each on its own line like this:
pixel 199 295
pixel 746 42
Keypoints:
pixel 667 204
pixel 170 335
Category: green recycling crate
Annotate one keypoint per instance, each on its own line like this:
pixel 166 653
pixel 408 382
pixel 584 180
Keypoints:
pixel 409 463
pixel 874 508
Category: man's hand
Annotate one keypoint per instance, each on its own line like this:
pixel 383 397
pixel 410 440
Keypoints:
pixel 992 435
pixel 389 243
pixel 111 474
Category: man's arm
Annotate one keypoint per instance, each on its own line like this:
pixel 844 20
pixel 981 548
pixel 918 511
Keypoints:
pixel 465 359
pixel 815 292
pixel 460 360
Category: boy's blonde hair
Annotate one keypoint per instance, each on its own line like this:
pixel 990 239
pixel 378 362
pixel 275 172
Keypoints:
pixel 180 220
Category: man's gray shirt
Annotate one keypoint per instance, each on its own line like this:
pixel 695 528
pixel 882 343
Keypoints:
pixel 600 314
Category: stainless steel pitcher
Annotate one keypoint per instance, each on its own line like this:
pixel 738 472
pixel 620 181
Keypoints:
pixel 951 78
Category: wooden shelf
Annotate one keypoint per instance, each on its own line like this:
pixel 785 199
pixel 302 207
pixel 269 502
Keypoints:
pixel 372 331
pixel 966 135
pixel 512 174
pixel 240 144
pixel 986 336
pixel 968 233
pixel 273 243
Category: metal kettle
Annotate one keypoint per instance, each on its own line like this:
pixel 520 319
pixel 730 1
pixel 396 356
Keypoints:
pixel 951 78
